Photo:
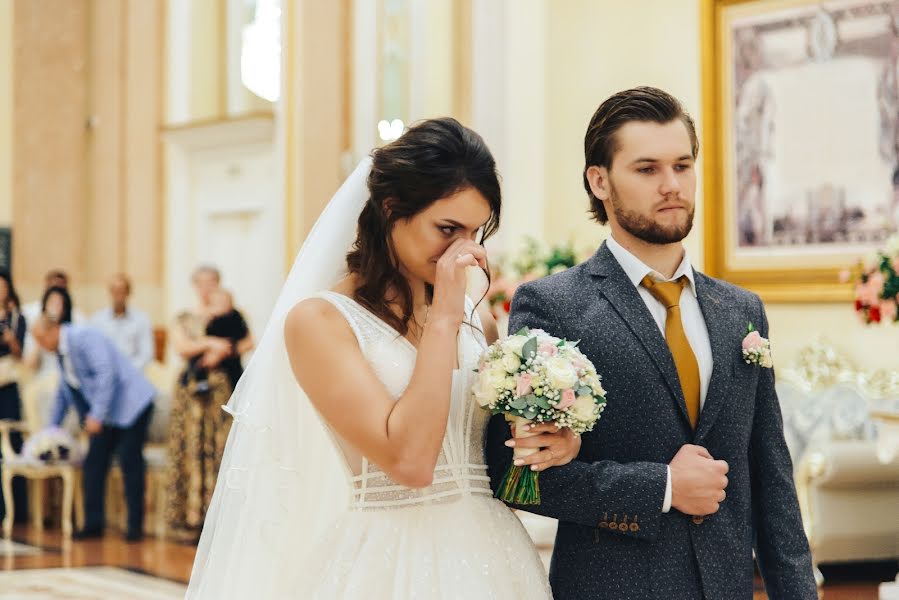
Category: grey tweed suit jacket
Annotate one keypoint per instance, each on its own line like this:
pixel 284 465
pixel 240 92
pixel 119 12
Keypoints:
pixel 613 541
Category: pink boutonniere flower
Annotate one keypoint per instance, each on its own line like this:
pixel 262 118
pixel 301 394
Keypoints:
pixel 756 349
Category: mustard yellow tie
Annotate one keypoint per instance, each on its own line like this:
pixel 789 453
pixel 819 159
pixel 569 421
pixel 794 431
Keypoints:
pixel 668 293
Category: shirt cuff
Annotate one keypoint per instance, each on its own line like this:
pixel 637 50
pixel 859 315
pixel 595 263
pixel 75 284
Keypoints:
pixel 666 505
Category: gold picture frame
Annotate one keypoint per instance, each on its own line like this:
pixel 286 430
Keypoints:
pixel 771 254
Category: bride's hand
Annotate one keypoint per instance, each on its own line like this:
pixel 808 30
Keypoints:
pixel 558 446
pixel 450 283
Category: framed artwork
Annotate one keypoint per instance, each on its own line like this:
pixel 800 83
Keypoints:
pixel 801 141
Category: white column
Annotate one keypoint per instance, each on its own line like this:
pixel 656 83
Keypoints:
pixel 509 108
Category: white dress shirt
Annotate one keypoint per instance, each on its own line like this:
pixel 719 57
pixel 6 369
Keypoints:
pixel 131 332
pixel 691 315
pixel 68 370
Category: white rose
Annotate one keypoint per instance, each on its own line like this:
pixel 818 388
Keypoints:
pixel 511 362
pixel 514 344
pixel 496 378
pixel 597 388
pixel 560 373
pixel 583 408
pixel 484 393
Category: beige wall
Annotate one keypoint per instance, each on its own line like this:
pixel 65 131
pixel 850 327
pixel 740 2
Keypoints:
pixel 314 111
pixel 51 48
pixel 85 160
pixel 6 111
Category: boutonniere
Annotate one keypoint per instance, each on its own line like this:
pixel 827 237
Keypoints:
pixel 756 349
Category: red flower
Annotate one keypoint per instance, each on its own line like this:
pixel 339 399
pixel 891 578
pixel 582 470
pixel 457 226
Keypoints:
pixel 858 305
pixel 874 314
pixel 507 306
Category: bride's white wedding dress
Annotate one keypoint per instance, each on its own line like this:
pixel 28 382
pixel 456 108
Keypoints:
pixel 298 514
pixel 451 539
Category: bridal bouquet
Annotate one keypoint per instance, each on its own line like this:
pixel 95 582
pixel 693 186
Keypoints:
pixel 52 445
pixel 533 377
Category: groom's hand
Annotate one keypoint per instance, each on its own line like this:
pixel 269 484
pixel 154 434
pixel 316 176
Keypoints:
pixel 697 481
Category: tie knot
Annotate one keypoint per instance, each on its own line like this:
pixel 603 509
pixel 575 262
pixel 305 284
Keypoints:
pixel 666 292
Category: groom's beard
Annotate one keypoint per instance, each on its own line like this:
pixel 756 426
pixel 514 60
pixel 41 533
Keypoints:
pixel 644 228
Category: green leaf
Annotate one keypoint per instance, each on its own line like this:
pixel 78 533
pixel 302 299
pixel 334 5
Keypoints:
pixel 561 343
pixel 529 350
pixel 543 403
pixel 523 331
pixel 530 413
pixel 750 328
pixel 584 391
pixel 519 403
pixel 531 399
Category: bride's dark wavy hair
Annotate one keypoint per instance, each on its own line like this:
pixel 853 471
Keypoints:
pixel 434 159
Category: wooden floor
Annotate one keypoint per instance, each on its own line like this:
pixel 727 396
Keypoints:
pixel 173 561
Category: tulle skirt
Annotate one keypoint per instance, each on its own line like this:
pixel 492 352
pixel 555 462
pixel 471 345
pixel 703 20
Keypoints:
pixel 471 548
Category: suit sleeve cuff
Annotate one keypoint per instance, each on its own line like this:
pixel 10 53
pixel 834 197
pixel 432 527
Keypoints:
pixel 666 505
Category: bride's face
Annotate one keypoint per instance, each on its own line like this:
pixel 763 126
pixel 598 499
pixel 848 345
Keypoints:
pixel 420 241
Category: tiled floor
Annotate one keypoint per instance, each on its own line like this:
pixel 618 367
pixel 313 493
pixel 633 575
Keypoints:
pixel 170 564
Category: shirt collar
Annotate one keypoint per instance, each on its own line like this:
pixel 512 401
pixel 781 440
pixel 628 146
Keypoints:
pixel 636 269
pixel 63 349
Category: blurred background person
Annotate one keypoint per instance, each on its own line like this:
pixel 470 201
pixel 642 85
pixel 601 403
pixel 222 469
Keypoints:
pixel 125 325
pixel 114 403
pixel 34 358
pixel 199 426
pixel 12 337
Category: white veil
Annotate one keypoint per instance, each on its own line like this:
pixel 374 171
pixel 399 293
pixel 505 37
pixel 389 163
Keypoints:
pixel 282 479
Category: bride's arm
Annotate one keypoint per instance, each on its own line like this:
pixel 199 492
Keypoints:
pixel 403 437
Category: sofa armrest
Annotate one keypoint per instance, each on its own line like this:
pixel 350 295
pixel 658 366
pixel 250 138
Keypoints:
pixel 848 464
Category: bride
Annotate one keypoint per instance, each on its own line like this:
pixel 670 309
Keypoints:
pixel 354 468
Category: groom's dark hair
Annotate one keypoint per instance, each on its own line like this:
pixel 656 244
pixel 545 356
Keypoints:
pixel 432 160
pixel 647 104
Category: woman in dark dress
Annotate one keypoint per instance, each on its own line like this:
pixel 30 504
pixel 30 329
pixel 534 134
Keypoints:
pixel 12 336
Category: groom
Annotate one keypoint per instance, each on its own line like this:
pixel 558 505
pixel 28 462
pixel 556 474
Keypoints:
pixel 687 471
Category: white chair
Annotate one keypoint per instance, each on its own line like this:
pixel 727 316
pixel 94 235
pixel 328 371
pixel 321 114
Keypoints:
pixel 36 473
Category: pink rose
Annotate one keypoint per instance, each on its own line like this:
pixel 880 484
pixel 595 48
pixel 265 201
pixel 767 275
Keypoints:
pixel 523 388
pixel 753 341
pixel 567 399
pixel 869 293
pixel 548 348
pixel 845 276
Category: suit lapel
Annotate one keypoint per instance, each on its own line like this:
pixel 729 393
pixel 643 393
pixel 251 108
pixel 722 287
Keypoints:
pixel 718 322
pixel 613 283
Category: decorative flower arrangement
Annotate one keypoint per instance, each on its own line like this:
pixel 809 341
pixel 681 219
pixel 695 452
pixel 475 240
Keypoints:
pixel 876 280
pixel 533 262
pixel 53 446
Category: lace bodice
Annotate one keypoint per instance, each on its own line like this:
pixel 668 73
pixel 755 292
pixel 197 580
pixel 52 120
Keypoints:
pixel 460 468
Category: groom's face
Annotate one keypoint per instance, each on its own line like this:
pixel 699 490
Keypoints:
pixel 649 190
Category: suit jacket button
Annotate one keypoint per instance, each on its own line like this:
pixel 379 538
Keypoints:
pixel 635 527
pixel 697 520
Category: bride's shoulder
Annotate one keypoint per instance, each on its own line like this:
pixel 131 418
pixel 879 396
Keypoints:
pixel 316 319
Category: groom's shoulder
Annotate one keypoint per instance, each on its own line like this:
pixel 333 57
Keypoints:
pixel 558 283
pixel 732 293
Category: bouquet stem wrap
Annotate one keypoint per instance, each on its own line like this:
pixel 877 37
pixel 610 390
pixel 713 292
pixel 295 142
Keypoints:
pixel 520 485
